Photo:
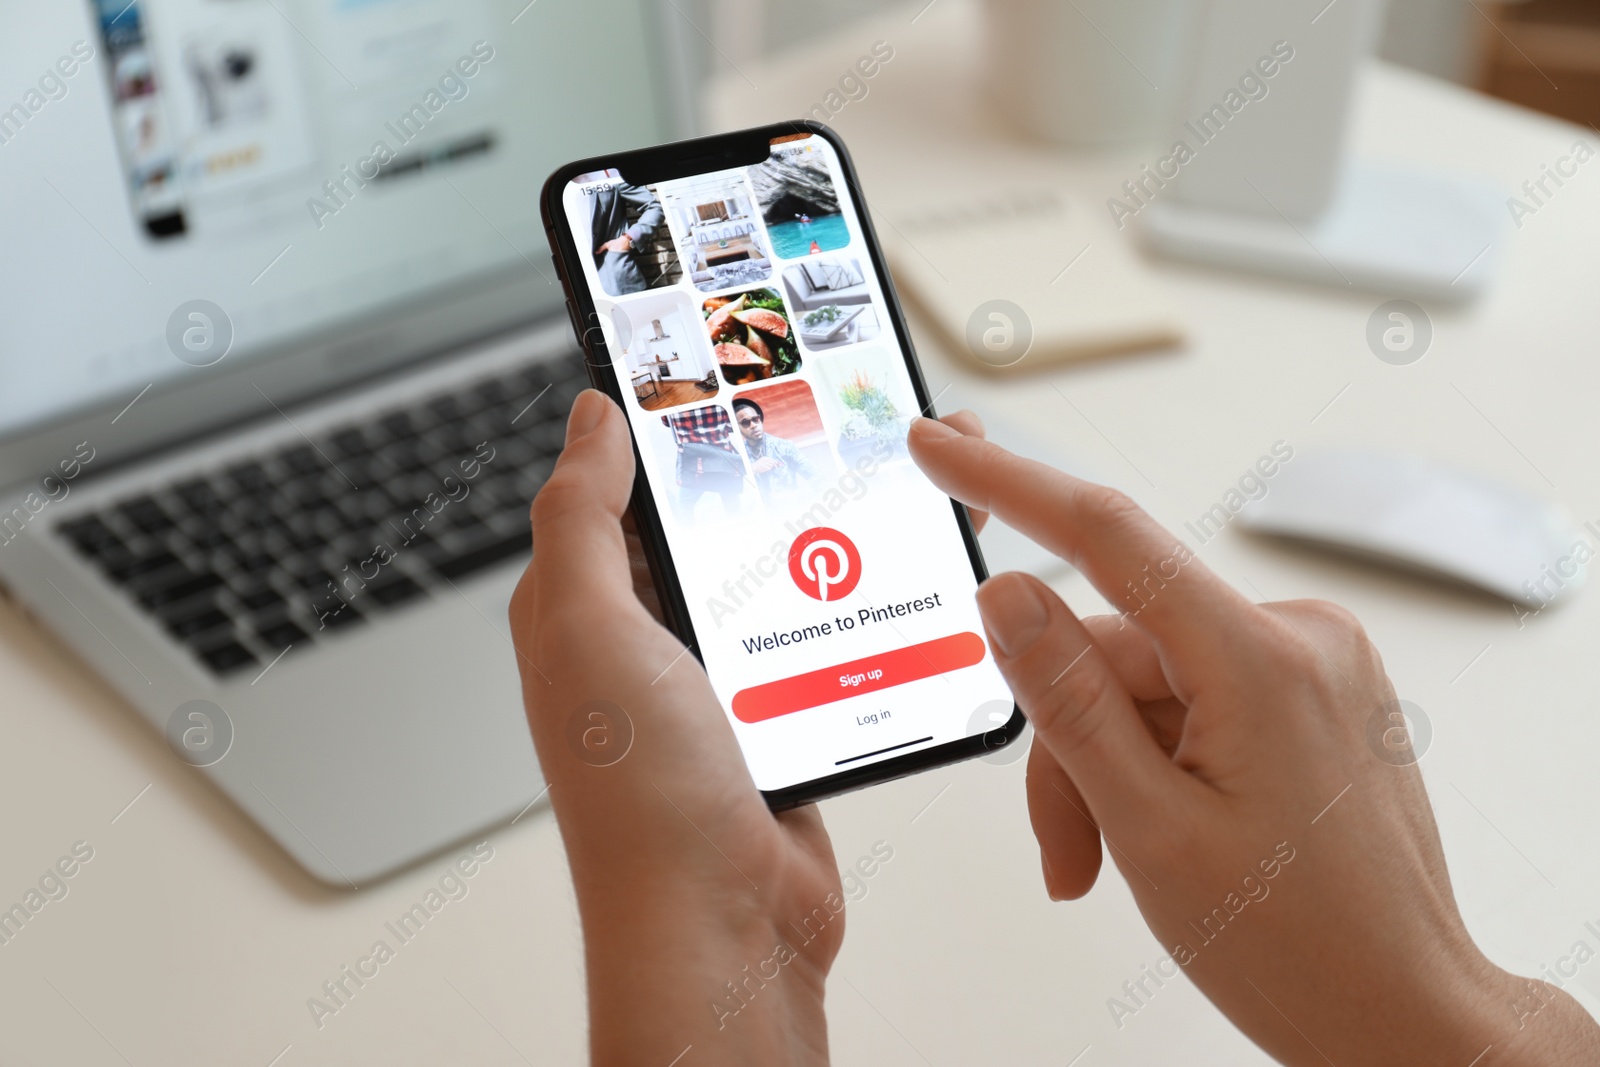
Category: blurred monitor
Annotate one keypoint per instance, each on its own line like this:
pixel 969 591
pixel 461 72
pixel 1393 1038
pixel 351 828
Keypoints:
pixel 312 167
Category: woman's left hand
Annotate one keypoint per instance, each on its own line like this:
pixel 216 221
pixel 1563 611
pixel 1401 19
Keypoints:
pixel 708 921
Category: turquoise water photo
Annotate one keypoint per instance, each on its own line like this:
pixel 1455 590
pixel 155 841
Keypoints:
pixel 792 240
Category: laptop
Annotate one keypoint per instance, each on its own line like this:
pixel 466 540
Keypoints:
pixel 284 362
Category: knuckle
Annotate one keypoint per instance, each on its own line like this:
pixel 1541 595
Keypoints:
pixel 1331 616
pixel 559 498
pixel 1360 652
pixel 1109 507
pixel 520 610
pixel 1302 655
pixel 1340 634
pixel 1292 652
pixel 1070 708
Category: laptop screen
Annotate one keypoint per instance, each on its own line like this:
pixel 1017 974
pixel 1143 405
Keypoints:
pixel 186 179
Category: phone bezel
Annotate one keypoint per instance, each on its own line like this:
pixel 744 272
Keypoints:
pixel 700 155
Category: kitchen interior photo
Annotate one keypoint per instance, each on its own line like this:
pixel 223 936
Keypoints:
pixel 668 362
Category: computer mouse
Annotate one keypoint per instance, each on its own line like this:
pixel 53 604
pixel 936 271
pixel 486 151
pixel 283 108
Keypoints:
pixel 1424 516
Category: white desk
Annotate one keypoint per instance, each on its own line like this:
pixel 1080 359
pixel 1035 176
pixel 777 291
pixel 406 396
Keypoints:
pixel 190 940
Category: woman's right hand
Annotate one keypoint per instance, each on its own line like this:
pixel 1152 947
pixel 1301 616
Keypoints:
pixel 1221 749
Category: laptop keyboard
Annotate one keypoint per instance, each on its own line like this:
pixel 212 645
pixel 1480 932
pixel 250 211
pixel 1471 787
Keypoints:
pixel 280 550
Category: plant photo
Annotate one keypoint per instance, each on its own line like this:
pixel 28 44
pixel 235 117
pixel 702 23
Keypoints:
pixel 868 402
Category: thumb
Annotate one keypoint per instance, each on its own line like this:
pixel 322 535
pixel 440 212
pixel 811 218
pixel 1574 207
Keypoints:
pixel 580 556
pixel 582 635
pixel 578 548
pixel 1080 708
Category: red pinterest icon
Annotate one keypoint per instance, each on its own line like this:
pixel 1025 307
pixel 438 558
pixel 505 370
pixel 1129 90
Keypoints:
pixel 824 563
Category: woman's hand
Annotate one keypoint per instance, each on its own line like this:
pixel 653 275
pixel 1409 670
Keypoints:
pixel 1221 749
pixel 707 920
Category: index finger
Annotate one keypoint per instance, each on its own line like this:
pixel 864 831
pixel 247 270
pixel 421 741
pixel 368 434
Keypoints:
pixel 968 423
pixel 1133 561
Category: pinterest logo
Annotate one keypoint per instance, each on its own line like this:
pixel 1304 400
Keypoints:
pixel 824 563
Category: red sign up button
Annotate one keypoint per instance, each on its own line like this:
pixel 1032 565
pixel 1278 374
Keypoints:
pixel 868 675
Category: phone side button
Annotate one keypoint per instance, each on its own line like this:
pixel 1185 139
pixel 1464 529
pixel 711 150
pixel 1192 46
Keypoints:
pixel 577 323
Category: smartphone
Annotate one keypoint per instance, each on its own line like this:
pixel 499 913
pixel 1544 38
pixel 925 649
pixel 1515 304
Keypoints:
pixel 730 295
pixel 145 139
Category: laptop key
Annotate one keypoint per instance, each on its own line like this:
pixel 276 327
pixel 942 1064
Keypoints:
pixel 307 541
pixel 188 586
pixel 249 477
pixel 336 617
pixel 398 425
pixel 260 598
pixel 208 536
pixel 145 515
pixel 258 563
pixel 228 657
pixel 91 535
pixel 445 408
pixel 395 591
pixel 448 445
pixel 348 443
pixel 406 457
pixel 201 505
pixel 312 576
pixel 143 565
pixel 484 555
pixel 464 517
pixel 491 392
pixel 514 450
pixel 281 633
pixel 535 378
pixel 195 623
pixel 115 560
pixel 375 501
pixel 301 459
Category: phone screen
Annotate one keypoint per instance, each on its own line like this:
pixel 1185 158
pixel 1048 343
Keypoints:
pixel 828 582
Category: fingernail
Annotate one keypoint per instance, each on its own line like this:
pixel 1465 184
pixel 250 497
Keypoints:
pixel 1014 612
pixel 1049 877
pixel 933 428
pixel 586 414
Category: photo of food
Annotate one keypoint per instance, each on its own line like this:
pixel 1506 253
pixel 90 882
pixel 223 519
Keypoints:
pixel 798 201
pixel 783 438
pixel 721 237
pixel 751 336
pixel 632 247
pixel 833 305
